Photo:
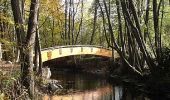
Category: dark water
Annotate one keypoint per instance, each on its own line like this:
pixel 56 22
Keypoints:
pixel 83 86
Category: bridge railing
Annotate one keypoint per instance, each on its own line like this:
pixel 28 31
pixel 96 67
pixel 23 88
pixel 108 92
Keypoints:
pixel 72 46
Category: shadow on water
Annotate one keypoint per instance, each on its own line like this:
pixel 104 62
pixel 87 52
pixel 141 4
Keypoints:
pixel 83 86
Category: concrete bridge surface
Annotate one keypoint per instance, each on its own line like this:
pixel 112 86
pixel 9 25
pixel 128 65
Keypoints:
pixel 70 50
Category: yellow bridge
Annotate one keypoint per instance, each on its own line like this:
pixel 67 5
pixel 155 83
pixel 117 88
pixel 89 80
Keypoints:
pixel 70 50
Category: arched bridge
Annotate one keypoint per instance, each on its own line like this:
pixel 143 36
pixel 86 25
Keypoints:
pixel 70 50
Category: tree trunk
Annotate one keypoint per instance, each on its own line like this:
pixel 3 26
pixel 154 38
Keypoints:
pixel 94 23
pixel 136 33
pixel 30 41
pixel 80 24
pixel 120 26
pixel 52 33
pixel 73 21
pixel 104 27
pixel 19 28
pixel 26 44
pixel 65 33
pixel 37 57
pixel 0 51
pixel 69 22
pixel 156 9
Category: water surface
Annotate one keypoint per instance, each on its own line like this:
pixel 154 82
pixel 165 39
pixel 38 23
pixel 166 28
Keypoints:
pixel 83 86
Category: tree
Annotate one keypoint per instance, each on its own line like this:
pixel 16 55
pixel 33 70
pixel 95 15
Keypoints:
pixel 26 41
pixel 94 22
pixel 7 37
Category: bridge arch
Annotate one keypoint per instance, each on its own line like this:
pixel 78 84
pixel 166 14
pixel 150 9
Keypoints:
pixel 70 50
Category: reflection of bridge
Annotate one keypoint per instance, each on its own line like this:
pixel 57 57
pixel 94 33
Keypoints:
pixel 70 50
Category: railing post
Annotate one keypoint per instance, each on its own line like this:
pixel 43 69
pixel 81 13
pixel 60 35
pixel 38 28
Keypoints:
pixel 81 49
pixel 0 51
pixel 91 49
pixel 71 50
pixel 60 51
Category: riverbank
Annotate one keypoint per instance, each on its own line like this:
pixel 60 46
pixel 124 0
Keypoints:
pixel 10 86
pixel 155 88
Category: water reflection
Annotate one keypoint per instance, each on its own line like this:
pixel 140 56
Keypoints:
pixel 103 93
pixel 118 92
pixel 82 86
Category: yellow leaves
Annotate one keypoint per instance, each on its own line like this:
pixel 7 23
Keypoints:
pixel 51 8
pixel 2 96
pixel 27 4
pixel 6 19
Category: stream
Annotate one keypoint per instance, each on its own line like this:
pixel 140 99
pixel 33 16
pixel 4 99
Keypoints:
pixel 85 86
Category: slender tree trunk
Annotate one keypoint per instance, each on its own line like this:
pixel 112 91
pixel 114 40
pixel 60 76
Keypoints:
pixel 52 34
pixel 161 27
pixel 156 28
pixel 37 57
pixel 19 28
pixel 94 23
pixel 73 21
pixel 156 9
pixel 0 51
pixel 146 31
pixel 66 8
pixel 69 22
pixel 104 27
pixel 80 24
pixel 120 26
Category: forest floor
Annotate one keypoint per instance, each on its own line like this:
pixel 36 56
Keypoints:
pixel 7 66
